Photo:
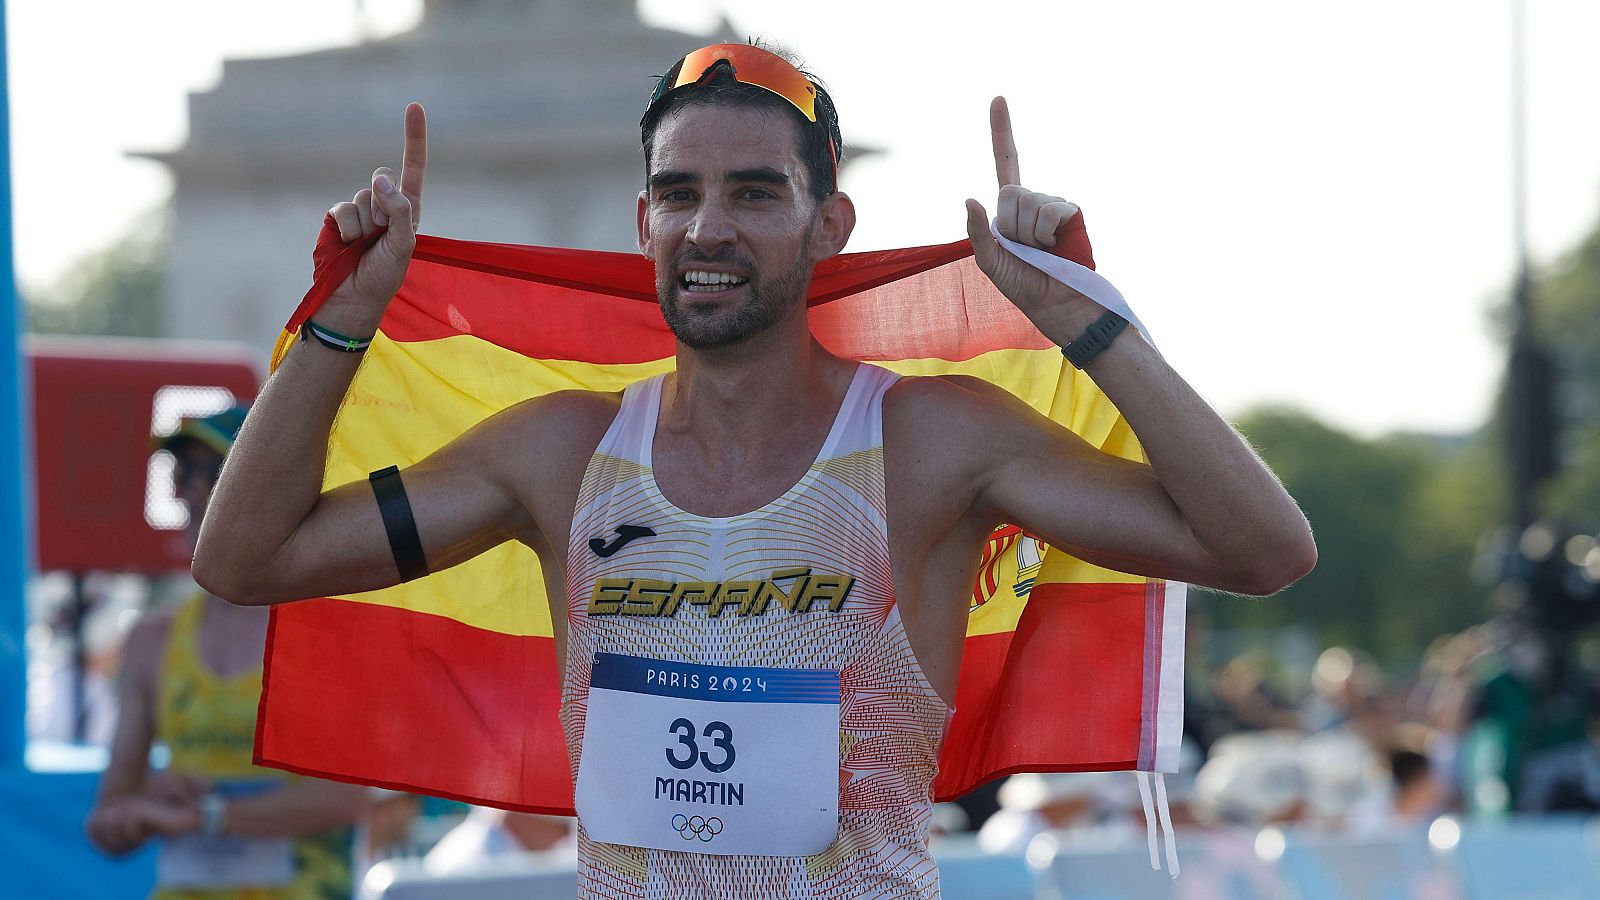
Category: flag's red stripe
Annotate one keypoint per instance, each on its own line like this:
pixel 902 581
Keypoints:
pixel 379 695
pixel 375 694
pixel 552 303
pixel 1061 693
pixel 551 319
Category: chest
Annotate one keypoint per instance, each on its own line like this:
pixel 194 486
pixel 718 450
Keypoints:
pixel 732 479
pixel 804 580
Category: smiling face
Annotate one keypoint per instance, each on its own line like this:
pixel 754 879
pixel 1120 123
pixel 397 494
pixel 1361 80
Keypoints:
pixel 729 222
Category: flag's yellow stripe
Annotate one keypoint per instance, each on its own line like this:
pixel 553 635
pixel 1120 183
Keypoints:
pixel 409 399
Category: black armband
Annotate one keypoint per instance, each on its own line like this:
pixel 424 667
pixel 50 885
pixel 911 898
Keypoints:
pixel 401 525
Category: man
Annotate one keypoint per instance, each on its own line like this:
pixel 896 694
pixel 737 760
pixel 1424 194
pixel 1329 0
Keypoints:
pixel 192 680
pixel 826 517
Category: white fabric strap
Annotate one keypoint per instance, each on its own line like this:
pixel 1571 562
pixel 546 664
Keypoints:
pixel 1168 836
pixel 1080 278
pixel 1158 815
pixel 1143 780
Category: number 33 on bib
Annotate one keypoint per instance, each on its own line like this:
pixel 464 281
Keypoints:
pixel 727 760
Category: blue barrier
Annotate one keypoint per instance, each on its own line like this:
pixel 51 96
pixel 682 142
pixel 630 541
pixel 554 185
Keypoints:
pixel 966 871
pixel 1396 867
pixel 1555 858
pixel 1547 859
pixel 43 852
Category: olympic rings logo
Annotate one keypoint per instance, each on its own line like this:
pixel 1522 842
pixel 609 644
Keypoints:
pixel 692 827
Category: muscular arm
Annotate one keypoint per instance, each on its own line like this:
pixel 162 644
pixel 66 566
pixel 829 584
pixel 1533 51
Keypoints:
pixel 1223 519
pixel 1205 509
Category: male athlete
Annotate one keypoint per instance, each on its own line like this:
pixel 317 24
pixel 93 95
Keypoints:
pixel 777 531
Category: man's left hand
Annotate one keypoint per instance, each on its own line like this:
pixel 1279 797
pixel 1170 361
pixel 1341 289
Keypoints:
pixel 1033 219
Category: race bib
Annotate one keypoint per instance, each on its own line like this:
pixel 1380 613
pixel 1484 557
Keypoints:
pixel 722 760
pixel 225 861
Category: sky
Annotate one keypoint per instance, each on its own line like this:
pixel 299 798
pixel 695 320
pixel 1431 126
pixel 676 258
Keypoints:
pixel 1308 203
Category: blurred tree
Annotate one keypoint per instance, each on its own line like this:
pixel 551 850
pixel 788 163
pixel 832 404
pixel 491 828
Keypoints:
pixel 1567 313
pixel 116 291
pixel 1397 522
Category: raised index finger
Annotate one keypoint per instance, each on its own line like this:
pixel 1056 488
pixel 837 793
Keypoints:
pixel 1006 167
pixel 415 162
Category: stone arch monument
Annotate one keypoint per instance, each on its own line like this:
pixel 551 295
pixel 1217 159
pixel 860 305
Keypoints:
pixel 533 111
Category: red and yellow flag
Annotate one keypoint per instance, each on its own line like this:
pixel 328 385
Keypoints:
pixel 448 685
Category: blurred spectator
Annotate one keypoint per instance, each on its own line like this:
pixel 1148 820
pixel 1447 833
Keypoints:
pixel 948 818
pixel 1531 728
pixel 192 679
pixel 1242 701
pixel 1415 794
pixel 1443 700
pixel 1033 803
pixel 1344 773
pixel 1564 778
pixel 487 834
pixel 1347 693
pixel 1251 780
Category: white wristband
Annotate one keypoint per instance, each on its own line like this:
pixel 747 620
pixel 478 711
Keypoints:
pixel 212 808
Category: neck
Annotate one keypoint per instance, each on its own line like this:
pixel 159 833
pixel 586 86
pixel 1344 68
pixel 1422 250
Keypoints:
pixel 754 394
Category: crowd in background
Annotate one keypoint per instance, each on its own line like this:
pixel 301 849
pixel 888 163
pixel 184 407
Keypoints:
pixel 1488 724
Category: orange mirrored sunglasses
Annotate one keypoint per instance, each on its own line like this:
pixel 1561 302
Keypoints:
pixel 748 65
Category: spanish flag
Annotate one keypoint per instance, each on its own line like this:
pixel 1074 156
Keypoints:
pixel 448 685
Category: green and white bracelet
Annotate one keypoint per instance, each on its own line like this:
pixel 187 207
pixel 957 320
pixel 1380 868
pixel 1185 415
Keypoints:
pixel 333 339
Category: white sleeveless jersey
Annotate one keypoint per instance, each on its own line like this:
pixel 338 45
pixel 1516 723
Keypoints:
pixel 831 526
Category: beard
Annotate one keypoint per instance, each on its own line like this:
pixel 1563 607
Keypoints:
pixel 767 300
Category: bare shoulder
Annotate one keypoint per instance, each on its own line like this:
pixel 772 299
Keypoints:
pixel 537 451
pixel 557 423
pixel 146 644
pixel 940 430
pixel 956 434
pixel 955 409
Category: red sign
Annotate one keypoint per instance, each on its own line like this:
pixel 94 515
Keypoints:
pixel 103 499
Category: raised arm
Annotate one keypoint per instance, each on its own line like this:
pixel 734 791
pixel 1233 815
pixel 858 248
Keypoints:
pixel 112 825
pixel 270 534
pixel 1205 509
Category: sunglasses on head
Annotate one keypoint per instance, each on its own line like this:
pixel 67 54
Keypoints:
pixel 746 65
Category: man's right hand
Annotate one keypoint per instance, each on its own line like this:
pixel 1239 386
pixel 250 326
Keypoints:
pixel 122 824
pixel 391 202
pixel 115 826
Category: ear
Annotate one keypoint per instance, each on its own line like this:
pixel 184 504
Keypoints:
pixel 835 222
pixel 643 223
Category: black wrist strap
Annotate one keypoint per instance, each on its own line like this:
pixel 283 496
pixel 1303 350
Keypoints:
pixel 404 542
pixel 1094 339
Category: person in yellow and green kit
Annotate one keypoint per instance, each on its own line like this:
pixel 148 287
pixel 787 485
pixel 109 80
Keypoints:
pixel 192 680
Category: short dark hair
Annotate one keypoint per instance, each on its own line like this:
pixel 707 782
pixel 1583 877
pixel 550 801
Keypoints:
pixel 1408 766
pixel 818 140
